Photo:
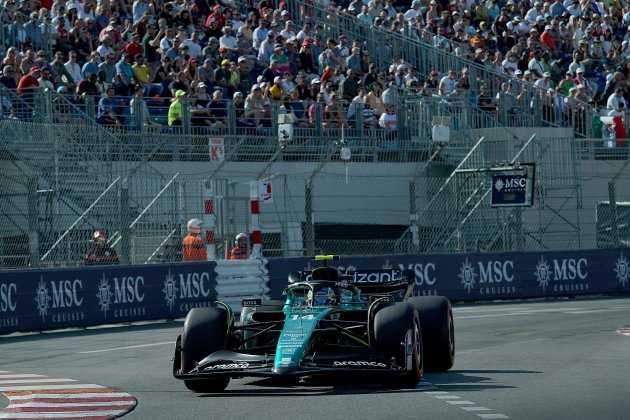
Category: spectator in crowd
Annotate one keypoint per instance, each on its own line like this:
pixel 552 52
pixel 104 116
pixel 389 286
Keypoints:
pixel 447 83
pixel 7 80
pixel 142 76
pixel 45 83
pixel 387 119
pixel 140 111
pixel 90 66
pixel 616 98
pixel 73 68
pixel 107 109
pixel 218 111
pixel 99 252
pixel 349 87
pixel 334 117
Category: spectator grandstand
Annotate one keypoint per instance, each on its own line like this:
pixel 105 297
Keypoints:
pixel 137 82
pixel 557 58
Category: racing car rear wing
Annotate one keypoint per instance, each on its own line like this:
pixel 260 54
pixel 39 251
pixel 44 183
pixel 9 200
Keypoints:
pixel 369 281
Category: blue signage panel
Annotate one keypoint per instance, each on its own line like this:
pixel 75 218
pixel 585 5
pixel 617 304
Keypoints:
pixel 511 190
pixel 482 276
pixel 58 298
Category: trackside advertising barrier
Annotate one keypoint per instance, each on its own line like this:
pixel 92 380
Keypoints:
pixel 58 298
pixel 485 276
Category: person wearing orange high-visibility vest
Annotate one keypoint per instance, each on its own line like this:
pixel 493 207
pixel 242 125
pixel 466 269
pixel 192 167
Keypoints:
pixel 194 250
pixel 240 251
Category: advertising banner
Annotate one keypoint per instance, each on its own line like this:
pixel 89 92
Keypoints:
pixel 58 298
pixel 483 276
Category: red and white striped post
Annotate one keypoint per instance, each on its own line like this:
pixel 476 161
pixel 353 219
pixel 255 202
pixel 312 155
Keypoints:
pixel 209 221
pixel 255 221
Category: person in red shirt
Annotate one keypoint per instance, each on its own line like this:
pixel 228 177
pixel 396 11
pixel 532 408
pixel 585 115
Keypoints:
pixel 194 249
pixel 29 83
pixel 547 38
pixel 134 47
pixel 27 87
pixel 240 250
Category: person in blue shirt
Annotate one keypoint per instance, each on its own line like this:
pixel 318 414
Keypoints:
pixel 107 109
pixel 124 75
pixel 90 66
pixel 33 31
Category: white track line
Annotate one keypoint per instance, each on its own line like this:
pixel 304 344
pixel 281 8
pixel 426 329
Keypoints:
pixel 126 347
pixel 457 401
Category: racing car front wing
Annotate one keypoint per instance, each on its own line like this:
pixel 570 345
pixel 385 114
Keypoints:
pixel 227 363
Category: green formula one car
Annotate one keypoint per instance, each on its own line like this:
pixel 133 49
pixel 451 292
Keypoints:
pixel 330 324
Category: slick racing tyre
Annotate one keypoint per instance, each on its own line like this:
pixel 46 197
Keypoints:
pixel 438 333
pixel 397 333
pixel 204 333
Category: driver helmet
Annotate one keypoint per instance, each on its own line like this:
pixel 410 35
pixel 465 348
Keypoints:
pixel 239 237
pixel 99 235
pixel 194 225
pixel 322 297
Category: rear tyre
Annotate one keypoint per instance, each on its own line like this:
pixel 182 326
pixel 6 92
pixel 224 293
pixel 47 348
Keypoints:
pixel 397 333
pixel 204 333
pixel 438 332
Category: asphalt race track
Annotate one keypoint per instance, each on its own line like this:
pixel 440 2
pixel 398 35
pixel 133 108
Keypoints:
pixel 560 359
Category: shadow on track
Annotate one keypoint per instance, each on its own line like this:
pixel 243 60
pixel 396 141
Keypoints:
pixel 275 387
pixel 471 380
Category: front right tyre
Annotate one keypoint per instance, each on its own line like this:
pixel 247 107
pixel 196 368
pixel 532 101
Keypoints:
pixel 397 333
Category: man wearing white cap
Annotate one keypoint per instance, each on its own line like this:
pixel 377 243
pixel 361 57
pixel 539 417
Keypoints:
pixel 534 12
pixel 414 12
pixel 544 82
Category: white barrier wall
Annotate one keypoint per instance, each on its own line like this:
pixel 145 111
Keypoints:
pixel 239 279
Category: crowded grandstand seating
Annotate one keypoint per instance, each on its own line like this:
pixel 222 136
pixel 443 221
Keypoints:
pixel 224 67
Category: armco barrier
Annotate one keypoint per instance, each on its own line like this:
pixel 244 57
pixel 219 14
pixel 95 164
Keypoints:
pixel 44 299
pixel 486 276
pixel 237 279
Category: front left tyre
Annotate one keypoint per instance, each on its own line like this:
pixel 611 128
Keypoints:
pixel 204 333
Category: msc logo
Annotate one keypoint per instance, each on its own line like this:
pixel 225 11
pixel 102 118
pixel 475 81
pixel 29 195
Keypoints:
pixel 170 290
pixel 127 289
pixel 566 269
pixel 570 269
pixel 104 295
pixel 542 273
pixel 489 272
pixel 468 275
pixel 510 183
pixel 8 292
pixel 622 270
pixel 66 294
